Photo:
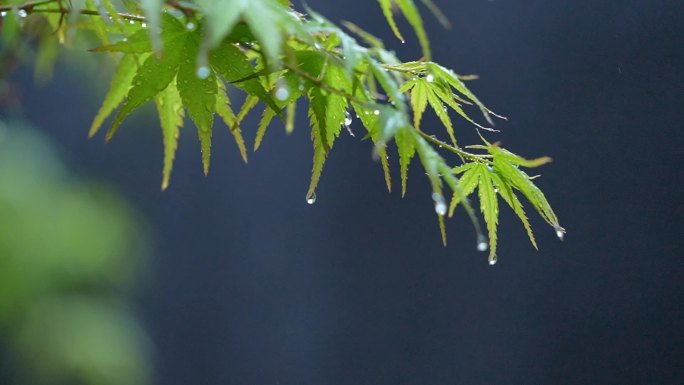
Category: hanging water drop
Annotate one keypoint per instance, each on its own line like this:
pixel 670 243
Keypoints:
pixel 492 260
pixel 311 199
pixel 403 41
pixel 190 26
pixel 22 13
pixel 376 112
pixel 347 118
pixel 3 13
pixel 430 78
pixel 482 243
pixel 440 204
pixel 203 72
pixel 131 22
pixel 144 25
pixel 281 91
pixel 560 232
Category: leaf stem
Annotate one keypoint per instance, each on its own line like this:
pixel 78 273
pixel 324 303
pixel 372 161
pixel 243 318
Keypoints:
pixel 455 150
pixel 30 7
pixel 26 6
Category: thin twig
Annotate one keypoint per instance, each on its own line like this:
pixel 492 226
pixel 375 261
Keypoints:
pixel 451 148
pixel 30 7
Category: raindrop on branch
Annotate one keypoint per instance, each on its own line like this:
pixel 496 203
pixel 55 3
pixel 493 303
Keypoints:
pixel 190 26
pixel 430 78
pixel 22 13
pixel 311 199
pixel 492 260
pixel 376 112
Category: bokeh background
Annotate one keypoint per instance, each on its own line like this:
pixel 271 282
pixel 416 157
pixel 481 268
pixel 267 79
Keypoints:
pixel 250 285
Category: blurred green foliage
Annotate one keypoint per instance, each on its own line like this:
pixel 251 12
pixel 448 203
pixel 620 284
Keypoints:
pixel 71 253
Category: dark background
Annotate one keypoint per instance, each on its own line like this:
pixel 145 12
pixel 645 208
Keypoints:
pixel 254 286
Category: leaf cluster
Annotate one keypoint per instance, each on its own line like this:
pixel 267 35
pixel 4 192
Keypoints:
pixel 187 57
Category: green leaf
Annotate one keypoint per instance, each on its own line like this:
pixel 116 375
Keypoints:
pixel 226 113
pixel 329 107
pixel 509 196
pixel 442 229
pixel 199 96
pixel 386 6
pixel 388 84
pixel 152 10
pixel 233 65
pixel 522 182
pixel 441 113
pixel 121 82
pixel 265 121
pixel 452 79
pixel 408 8
pixel 100 29
pixel 152 77
pixel 489 207
pixel 467 182
pixel 289 122
pixel 266 19
pixel 407 150
pixel 246 108
pixel 170 108
pixel 419 100
pixel 319 156
pixel 139 41
pixel 221 16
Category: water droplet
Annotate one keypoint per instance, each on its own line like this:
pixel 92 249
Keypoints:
pixel 440 204
pixel 301 87
pixel 482 243
pixel 125 39
pixel 22 13
pixel 560 232
pixel 190 26
pixel 131 22
pixel 347 118
pixel 318 46
pixel 3 13
pixel 311 199
pixel 144 25
pixel 492 260
pixel 281 91
pixel 203 72
pixel 376 112
pixel 403 42
pixel 430 78
pixel 496 190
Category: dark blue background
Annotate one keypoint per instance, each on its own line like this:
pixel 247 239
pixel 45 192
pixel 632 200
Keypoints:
pixel 254 286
